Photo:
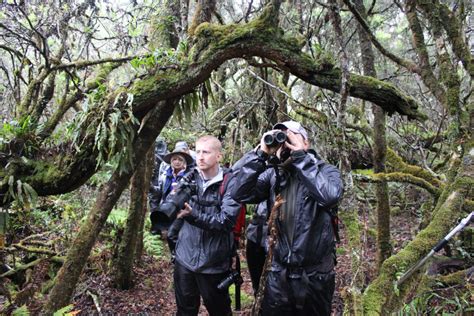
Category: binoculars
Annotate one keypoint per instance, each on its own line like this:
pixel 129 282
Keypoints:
pixel 276 138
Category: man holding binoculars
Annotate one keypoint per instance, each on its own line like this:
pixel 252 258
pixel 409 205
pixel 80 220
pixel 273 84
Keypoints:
pixel 302 279
pixel 205 241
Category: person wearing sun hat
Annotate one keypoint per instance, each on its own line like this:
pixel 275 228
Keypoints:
pixel 178 151
pixel 301 280
pixel 179 162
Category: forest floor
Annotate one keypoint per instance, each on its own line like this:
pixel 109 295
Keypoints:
pixel 153 292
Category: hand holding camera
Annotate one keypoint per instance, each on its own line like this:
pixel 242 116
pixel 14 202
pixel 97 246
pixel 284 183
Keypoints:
pixel 185 211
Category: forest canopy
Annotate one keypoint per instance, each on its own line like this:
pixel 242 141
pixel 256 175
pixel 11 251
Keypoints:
pixel 384 89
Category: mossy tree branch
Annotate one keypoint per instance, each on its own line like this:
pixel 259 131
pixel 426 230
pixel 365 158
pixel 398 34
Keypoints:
pixel 396 163
pixel 418 41
pixel 440 13
pixel 31 264
pixel 402 178
pixel 380 297
pixel 214 45
pixel 78 253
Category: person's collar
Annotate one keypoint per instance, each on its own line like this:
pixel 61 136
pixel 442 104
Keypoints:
pixel 217 178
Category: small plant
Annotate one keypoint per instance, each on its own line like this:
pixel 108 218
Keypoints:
pixel 19 191
pixel 152 244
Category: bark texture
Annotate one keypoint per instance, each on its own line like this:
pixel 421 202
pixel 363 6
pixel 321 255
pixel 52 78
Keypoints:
pixel 123 266
pixel 78 253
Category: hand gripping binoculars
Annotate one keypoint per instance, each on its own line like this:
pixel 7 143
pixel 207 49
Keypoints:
pixel 276 138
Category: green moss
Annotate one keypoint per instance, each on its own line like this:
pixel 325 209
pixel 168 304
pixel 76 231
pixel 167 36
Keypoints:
pixel 396 163
pixel 366 172
pixel 44 172
pixel 382 295
pixel 340 251
pixel 408 178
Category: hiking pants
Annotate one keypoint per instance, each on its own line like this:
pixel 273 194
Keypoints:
pixel 255 260
pixel 188 286
pixel 309 295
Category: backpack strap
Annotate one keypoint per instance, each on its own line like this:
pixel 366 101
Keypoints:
pixel 240 222
pixel 335 222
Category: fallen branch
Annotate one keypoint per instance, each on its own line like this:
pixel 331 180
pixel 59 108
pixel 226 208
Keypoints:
pixel 31 264
pixel 95 298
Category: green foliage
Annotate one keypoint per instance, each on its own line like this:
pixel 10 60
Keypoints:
pixel 118 217
pixel 65 311
pixel 434 303
pixel 186 107
pixel 21 311
pixel 16 128
pixel 340 251
pixel 19 191
pixel 113 131
pixel 152 244
pixel 245 299
pixel 161 57
pixel 19 130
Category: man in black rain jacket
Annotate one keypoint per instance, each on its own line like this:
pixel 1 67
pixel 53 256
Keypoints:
pixel 205 243
pixel 302 277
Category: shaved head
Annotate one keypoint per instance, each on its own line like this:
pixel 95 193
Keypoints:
pixel 212 141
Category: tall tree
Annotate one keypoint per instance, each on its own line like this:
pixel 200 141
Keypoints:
pixel 384 248
pixel 83 86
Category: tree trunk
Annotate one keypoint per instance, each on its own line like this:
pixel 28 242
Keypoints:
pixel 123 264
pixel 382 297
pixel 78 253
pixel 150 158
pixel 348 204
pixel 384 248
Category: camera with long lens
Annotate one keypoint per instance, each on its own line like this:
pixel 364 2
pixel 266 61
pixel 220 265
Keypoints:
pixel 275 138
pixel 233 278
pixel 174 202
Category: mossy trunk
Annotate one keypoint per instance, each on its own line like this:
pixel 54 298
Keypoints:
pixel 354 236
pixel 68 275
pixel 123 265
pixel 384 248
pixel 379 148
pixel 382 297
pixel 150 163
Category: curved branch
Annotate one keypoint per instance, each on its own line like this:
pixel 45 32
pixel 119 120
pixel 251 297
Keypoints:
pixel 15 52
pixel 398 60
pixel 399 177
pixel 216 44
pixel 381 296
pixel 213 45
pixel 396 163
pixel 74 97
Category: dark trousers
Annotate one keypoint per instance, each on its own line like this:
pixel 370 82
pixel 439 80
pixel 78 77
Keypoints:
pixel 283 294
pixel 188 286
pixel 255 260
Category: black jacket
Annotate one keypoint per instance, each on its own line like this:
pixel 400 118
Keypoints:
pixel 205 241
pixel 319 188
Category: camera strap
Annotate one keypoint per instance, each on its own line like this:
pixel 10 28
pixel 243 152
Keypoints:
pixel 277 180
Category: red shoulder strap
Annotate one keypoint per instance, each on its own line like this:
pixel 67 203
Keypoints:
pixel 240 222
